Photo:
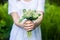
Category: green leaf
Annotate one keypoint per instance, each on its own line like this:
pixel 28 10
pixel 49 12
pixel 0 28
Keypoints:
pixel 24 10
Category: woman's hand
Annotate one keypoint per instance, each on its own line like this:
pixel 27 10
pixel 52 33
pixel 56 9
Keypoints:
pixel 28 25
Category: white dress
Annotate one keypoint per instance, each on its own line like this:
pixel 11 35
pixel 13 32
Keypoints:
pixel 17 6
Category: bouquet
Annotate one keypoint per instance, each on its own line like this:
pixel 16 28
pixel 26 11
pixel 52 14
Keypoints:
pixel 29 15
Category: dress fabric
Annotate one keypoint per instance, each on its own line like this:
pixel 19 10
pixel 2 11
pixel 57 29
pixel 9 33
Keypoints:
pixel 18 33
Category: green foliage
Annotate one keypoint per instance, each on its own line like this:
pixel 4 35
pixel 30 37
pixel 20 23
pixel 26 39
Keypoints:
pixel 30 14
pixel 51 23
pixel 5 22
pixel 54 2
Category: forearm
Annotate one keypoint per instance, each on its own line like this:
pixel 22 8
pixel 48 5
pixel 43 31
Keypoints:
pixel 40 18
pixel 16 18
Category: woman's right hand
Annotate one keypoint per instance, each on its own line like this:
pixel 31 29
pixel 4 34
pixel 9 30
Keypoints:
pixel 28 25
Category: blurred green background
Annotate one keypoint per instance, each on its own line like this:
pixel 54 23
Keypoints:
pixel 50 25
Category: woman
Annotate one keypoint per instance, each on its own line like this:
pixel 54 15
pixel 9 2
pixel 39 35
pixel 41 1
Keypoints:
pixel 19 30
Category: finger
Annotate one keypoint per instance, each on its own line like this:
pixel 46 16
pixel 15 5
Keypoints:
pixel 27 25
pixel 31 24
pixel 32 27
pixel 28 22
pixel 27 28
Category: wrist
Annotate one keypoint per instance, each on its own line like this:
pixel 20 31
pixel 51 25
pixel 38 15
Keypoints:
pixel 36 23
pixel 18 24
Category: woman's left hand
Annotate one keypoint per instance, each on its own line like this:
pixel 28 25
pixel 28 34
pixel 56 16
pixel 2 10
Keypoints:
pixel 29 25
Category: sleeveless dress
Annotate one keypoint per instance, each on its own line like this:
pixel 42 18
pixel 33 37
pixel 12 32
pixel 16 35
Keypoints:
pixel 18 33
